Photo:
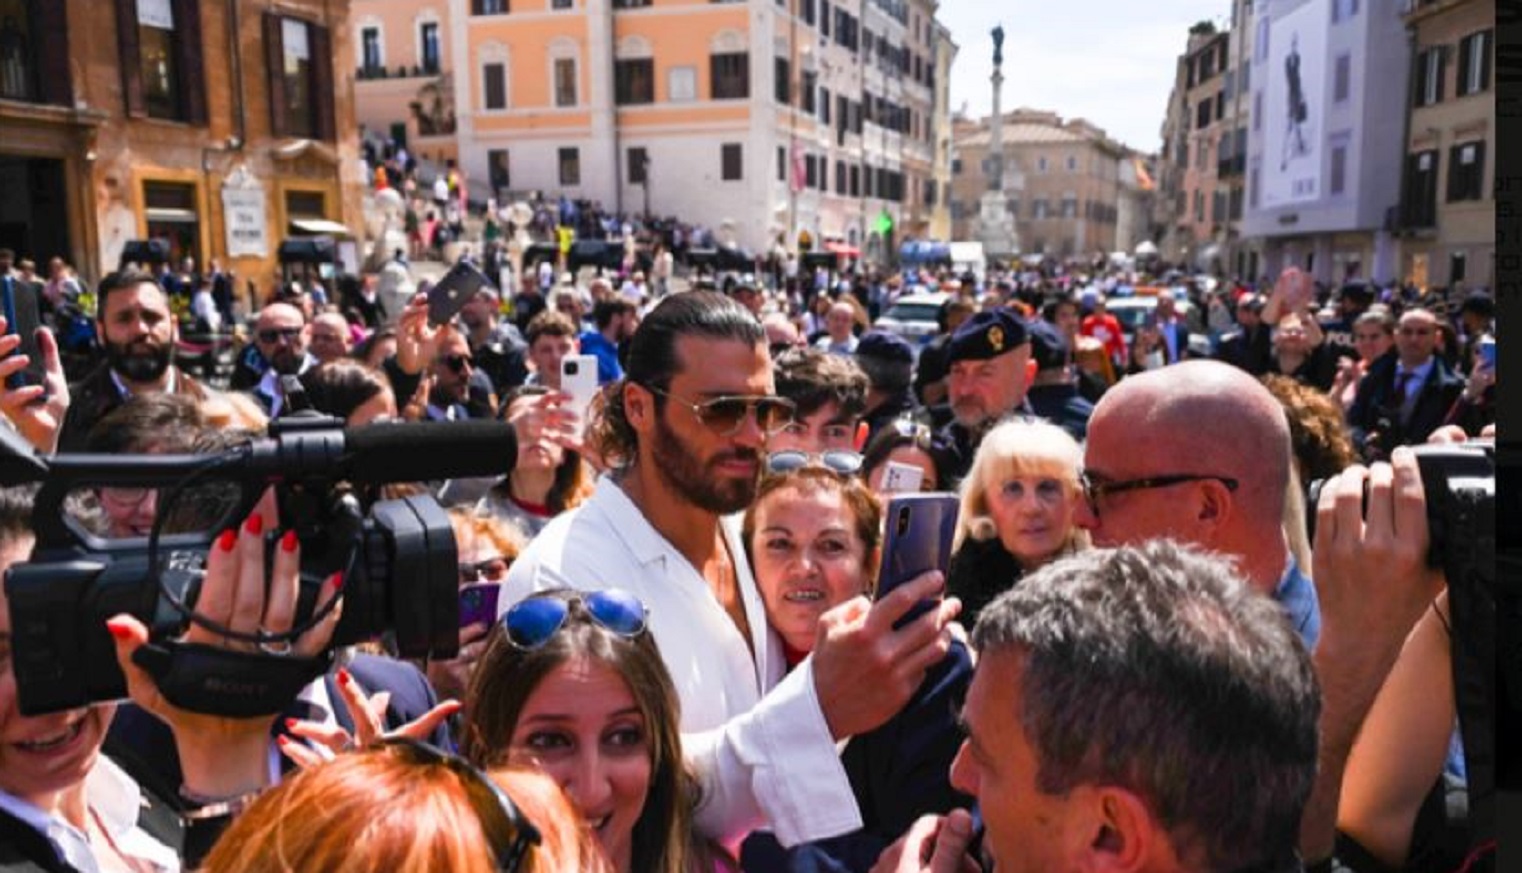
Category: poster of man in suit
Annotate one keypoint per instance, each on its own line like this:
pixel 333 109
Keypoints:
pixel 1295 82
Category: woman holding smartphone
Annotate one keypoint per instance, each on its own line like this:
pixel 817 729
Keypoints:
pixel 813 536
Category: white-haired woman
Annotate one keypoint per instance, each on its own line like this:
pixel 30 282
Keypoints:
pixel 1018 501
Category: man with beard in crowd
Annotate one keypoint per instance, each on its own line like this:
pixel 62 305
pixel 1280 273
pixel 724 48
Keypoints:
pixel 684 435
pixel 138 333
pixel 986 381
pixel 281 336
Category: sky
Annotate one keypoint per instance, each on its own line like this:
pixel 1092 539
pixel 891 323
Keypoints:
pixel 1110 61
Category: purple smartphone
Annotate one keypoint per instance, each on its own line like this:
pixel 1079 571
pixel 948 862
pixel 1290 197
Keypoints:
pixel 920 529
pixel 478 603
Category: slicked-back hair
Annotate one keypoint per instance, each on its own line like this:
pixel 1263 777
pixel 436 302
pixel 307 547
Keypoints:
pixel 1158 669
pixel 653 361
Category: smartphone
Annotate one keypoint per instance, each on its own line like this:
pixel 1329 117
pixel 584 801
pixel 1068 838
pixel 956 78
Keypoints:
pixel 920 529
pixel 578 378
pixel 478 603
pixel 450 294
pixel 1488 352
pixel 21 318
pixel 902 478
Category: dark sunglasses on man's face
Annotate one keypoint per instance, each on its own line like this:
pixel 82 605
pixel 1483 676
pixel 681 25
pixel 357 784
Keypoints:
pixel 533 622
pixel 726 415
pixel 272 335
pixel 457 363
pixel 507 830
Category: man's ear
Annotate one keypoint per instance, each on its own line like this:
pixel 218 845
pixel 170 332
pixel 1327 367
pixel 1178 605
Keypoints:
pixel 1215 507
pixel 639 407
pixel 1120 833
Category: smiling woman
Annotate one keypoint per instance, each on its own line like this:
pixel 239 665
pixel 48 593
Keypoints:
pixel 574 684
pixel 813 537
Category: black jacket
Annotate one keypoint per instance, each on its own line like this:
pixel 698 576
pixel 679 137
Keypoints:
pixel 1376 409
pixel 980 571
pixel 95 396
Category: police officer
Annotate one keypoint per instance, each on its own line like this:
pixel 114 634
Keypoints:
pixel 986 381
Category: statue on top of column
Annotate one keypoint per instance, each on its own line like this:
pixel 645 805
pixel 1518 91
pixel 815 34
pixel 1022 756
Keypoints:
pixel 998 33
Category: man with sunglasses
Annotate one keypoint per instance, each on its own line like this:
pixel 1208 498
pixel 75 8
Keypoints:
pixel 138 331
pixel 1197 452
pixel 685 434
pixel 281 337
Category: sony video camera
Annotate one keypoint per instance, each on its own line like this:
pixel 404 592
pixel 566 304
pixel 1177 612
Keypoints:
pixel 398 558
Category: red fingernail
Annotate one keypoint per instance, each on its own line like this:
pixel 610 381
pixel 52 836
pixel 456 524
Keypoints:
pixel 255 524
pixel 290 723
pixel 337 581
pixel 288 542
pixel 343 676
pixel 227 540
pixel 282 739
pixel 119 631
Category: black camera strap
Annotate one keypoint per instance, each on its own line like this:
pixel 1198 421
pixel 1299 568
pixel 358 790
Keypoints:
pixel 216 681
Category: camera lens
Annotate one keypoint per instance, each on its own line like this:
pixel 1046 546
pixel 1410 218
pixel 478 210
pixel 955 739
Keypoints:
pixel 572 368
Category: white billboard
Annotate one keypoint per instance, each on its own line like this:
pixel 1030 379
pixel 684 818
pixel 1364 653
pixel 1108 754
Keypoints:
pixel 1295 85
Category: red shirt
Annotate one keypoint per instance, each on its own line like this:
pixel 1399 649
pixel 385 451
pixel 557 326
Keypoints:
pixel 1106 329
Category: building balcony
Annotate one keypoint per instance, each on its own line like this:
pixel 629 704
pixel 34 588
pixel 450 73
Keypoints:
pixel 367 73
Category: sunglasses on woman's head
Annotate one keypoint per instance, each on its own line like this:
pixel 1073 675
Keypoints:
pixel 533 622
pixel 838 461
pixel 507 830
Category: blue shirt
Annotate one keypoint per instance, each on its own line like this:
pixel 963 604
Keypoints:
pixel 1297 594
pixel 608 368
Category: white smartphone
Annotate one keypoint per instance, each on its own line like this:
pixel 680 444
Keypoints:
pixel 902 478
pixel 578 378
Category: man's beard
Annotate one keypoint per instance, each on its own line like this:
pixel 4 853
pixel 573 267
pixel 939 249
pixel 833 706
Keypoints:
pixel 970 414
pixel 690 477
pixel 140 360
pixel 287 362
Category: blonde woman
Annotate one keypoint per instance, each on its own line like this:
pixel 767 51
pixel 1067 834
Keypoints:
pixel 1018 501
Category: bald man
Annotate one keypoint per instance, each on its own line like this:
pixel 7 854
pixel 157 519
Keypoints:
pixel 330 337
pixel 1197 452
pixel 281 336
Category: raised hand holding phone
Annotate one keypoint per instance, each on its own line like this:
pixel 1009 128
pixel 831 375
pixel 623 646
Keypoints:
pixel 37 410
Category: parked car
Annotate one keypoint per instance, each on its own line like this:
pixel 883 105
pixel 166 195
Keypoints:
pixel 913 316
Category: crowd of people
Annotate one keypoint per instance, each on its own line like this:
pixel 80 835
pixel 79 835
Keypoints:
pixel 1139 658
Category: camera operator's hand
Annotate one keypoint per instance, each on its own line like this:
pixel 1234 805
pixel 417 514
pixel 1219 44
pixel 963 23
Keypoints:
pixel 864 670
pixel 416 340
pixel 369 717
pixel 39 420
pixel 1373 582
pixel 222 756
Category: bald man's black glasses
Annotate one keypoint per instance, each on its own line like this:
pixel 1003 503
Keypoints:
pixel 1095 487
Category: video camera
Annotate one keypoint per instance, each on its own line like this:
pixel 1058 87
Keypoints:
pixel 1459 481
pixel 398 557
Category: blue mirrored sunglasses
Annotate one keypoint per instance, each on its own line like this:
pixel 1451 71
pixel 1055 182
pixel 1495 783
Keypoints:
pixel 837 461
pixel 533 622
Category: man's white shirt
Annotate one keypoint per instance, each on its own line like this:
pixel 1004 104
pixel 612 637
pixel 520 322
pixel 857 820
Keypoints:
pixel 754 732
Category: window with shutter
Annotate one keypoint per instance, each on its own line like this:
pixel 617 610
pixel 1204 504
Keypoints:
pixel 494 86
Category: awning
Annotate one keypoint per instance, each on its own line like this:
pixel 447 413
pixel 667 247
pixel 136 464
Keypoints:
pixel 839 248
pixel 320 225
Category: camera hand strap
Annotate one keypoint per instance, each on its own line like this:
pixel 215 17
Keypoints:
pixel 217 681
